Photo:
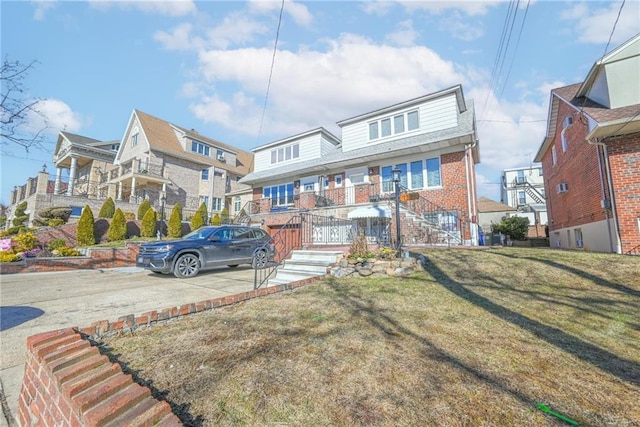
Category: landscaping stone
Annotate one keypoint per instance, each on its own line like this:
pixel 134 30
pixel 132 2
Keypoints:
pixel 375 267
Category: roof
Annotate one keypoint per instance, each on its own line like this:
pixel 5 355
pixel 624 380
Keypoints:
pixel 406 104
pixel 79 139
pixel 322 131
pixel 464 133
pixel 162 138
pixel 487 205
pixel 611 121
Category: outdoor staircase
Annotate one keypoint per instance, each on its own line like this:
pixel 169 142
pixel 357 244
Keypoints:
pixel 305 264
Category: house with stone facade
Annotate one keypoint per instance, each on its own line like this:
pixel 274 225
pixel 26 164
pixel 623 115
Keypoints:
pixel 155 160
pixel 430 142
pixel 591 157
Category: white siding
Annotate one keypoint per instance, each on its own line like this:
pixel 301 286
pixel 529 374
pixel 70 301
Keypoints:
pixel 434 115
pixel 129 152
pixel 310 148
pixel 326 146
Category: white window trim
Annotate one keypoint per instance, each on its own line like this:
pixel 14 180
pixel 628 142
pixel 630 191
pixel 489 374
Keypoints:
pixel 392 125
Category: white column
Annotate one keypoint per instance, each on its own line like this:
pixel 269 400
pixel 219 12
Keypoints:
pixel 56 186
pixel 72 175
pixel 132 197
pixel 119 191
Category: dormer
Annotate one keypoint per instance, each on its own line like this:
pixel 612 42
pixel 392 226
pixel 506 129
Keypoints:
pixel 294 149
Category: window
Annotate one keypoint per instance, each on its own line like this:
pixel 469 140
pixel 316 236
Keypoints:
pixel 309 186
pixel 434 178
pixel 385 126
pixel 280 155
pixel 216 204
pixel 416 175
pixel 577 234
pixel 563 137
pixel 205 175
pixel 296 150
pixel 76 211
pixel 403 174
pixel 554 155
pixel 285 153
pixel 522 198
pixel 279 194
pixel 237 204
pixel 338 179
pixel 205 200
pixel 398 124
pixel 274 157
pixel 387 179
pixel 521 179
pixel 412 120
pixel 134 140
pixel 382 128
pixel 200 148
pixel 356 178
pixel 114 147
pixel 563 187
pixel 219 153
pixel 325 182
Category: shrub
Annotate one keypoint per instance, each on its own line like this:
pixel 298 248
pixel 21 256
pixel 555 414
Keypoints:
pixel 53 216
pixel 224 216
pixel 514 226
pixel 215 220
pixel 200 217
pixel 9 256
pixel 129 216
pixel 175 223
pixel 24 242
pixel 108 209
pixel 148 227
pixel 118 227
pixel 143 208
pixel 359 248
pixel 85 234
pixel 20 217
pixel 178 207
pixel 387 253
pixel 65 251
pixel 56 243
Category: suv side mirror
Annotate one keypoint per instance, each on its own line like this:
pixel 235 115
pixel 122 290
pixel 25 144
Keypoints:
pixel 214 238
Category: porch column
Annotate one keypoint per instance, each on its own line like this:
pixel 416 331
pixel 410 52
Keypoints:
pixel 72 175
pixel 132 197
pixel 120 190
pixel 56 186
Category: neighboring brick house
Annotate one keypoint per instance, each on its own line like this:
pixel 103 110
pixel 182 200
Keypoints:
pixel 431 140
pixel 591 157
pixel 155 160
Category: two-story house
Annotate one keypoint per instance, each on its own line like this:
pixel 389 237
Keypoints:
pixel 429 141
pixel 591 157
pixel 522 186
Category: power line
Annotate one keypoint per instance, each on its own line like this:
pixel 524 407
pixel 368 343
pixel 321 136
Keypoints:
pixel 515 50
pixel 273 60
pixel 614 28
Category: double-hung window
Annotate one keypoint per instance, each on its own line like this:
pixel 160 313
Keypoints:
pixel 205 175
pixel 434 178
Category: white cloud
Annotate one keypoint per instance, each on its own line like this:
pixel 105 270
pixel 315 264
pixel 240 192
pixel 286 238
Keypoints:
pixel 168 7
pixel 461 28
pixel 297 11
pixel 42 6
pixel 468 7
pixel 179 38
pixel 53 116
pixel 405 35
pixel 236 28
pixel 594 25
pixel 377 7
pixel 312 88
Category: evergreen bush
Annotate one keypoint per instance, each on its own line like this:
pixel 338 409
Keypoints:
pixel 200 218
pixel 85 234
pixel 215 220
pixel 148 227
pixel 118 227
pixel 175 223
pixel 224 216
pixel 108 209
pixel 143 208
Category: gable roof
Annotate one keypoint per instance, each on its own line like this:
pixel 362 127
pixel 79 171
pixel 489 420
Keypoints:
pixel 487 205
pixel 161 136
pixel 321 130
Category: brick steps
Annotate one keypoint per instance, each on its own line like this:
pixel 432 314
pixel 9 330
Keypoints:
pixel 68 382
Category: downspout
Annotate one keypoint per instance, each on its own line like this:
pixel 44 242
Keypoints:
pixel 609 182
pixel 471 203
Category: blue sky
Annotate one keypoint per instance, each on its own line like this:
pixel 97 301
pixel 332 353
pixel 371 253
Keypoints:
pixel 205 65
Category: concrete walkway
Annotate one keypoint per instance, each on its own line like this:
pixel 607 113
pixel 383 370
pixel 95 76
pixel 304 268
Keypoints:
pixel 32 303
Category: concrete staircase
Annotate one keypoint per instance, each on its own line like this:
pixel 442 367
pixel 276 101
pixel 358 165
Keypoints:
pixel 305 264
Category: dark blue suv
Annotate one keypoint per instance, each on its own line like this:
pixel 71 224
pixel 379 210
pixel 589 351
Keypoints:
pixel 208 247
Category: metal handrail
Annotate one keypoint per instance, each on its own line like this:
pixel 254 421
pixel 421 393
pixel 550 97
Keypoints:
pixel 283 242
pixel 633 251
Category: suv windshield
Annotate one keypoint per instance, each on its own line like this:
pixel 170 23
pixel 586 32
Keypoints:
pixel 200 233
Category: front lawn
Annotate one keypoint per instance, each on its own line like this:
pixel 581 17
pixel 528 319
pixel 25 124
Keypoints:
pixel 477 339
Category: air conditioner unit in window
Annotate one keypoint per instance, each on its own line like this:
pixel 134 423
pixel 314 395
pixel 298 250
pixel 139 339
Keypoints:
pixel 221 158
pixel 563 187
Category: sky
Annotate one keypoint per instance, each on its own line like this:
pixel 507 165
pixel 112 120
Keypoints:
pixel 208 66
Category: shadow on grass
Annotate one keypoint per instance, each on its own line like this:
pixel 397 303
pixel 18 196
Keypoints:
pixel 356 305
pixel 624 369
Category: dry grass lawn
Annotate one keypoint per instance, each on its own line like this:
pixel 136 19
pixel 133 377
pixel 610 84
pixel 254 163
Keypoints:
pixel 477 339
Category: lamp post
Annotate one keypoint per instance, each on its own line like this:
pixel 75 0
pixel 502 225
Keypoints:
pixel 163 199
pixel 396 183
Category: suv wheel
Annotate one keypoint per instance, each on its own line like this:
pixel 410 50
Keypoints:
pixel 187 265
pixel 260 259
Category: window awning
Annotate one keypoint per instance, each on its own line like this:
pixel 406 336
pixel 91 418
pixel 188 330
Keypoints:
pixel 370 212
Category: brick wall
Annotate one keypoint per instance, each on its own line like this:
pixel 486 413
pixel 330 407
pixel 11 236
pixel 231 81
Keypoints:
pixel 95 258
pixel 67 382
pixel 578 168
pixel 624 159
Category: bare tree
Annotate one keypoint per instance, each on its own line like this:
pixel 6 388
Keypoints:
pixel 17 110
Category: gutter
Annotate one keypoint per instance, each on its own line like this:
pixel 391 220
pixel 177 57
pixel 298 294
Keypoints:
pixel 597 142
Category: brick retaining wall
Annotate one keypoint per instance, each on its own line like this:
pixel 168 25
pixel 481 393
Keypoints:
pixel 67 382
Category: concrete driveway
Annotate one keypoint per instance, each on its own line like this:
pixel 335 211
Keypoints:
pixel 32 303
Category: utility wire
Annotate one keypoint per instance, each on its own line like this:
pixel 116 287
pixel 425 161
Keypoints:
pixel 273 60
pixel 613 29
pixel 515 50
